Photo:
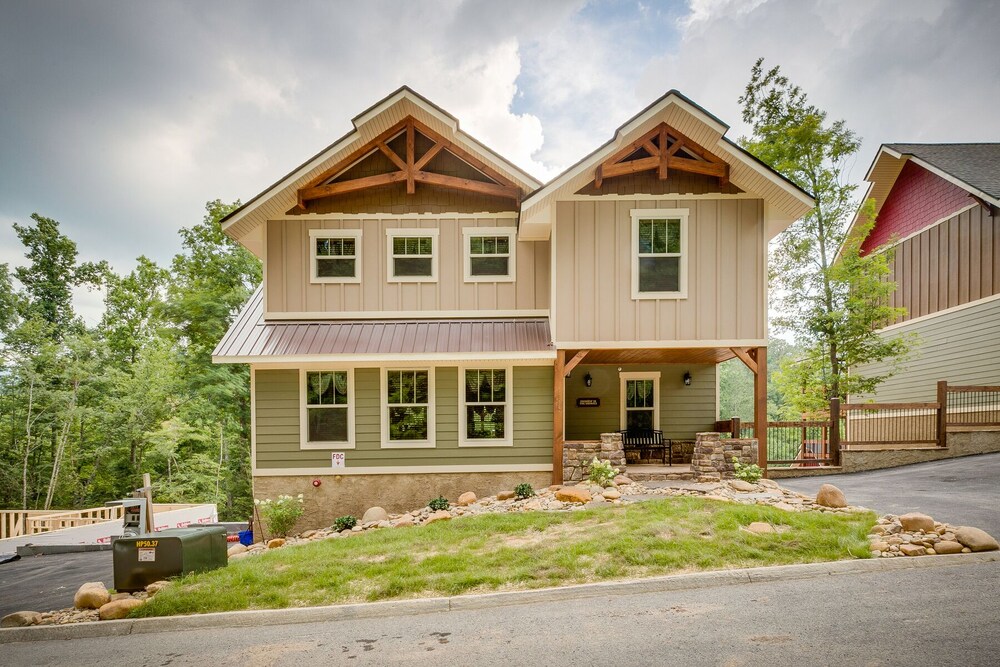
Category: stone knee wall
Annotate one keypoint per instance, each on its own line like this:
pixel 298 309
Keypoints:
pixel 578 455
pixel 714 456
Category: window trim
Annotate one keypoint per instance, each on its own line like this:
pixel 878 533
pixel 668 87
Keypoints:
pixel 411 232
pixel 431 440
pixel 330 234
pixel 660 214
pixel 510 233
pixel 332 445
pixel 508 417
pixel 624 377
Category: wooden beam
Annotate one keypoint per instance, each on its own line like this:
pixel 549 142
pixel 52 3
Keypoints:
pixel 428 156
pixel 651 147
pixel 411 143
pixel 696 167
pixel 354 156
pixel 744 356
pixel 630 167
pixel 492 189
pixel 760 406
pixel 331 189
pixel 391 154
pixel 577 358
pixel 465 155
pixel 558 410
pixel 632 147
pixel 662 171
pixel 599 176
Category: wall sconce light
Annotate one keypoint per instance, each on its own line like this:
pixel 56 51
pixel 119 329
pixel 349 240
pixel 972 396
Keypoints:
pixel 588 380
pixel 687 379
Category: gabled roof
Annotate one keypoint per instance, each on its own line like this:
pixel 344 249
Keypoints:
pixel 281 196
pixel 679 112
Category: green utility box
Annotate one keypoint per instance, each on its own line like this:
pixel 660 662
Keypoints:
pixel 139 561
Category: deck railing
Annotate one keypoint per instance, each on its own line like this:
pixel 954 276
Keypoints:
pixel 971 406
pixel 15 523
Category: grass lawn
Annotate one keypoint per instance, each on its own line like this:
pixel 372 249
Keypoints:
pixel 522 550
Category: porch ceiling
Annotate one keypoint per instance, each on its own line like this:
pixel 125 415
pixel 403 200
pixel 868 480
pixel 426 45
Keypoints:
pixel 691 355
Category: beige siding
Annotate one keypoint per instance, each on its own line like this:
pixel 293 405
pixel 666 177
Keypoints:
pixel 962 347
pixel 684 410
pixel 727 274
pixel 278 431
pixel 289 289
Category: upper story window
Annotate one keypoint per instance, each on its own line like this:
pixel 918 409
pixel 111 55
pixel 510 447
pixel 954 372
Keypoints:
pixel 659 253
pixel 328 409
pixel 412 255
pixel 335 255
pixel 489 254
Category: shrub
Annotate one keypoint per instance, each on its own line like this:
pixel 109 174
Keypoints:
pixel 601 472
pixel 748 473
pixel 345 522
pixel 524 490
pixel 439 503
pixel 281 514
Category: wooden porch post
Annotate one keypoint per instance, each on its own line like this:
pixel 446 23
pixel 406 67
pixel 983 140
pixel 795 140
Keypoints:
pixel 558 409
pixel 942 413
pixel 760 406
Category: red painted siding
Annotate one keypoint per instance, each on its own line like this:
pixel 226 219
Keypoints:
pixel 918 199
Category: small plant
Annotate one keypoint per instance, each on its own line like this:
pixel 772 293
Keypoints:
pixel 439 503
pixel 601 472
pixel 748 473
pixel 524 490
pixel 342 523
pixel 281 514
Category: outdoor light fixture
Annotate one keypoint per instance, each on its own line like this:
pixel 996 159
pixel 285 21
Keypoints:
pixel 588 380
pixel 687 379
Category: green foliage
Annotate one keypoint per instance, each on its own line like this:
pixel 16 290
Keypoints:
pixel 439 503
pixel 523 490
pixel 280 515
pixel 828 295
pixel 345 522
pixel 736 386
pixel 601 473
pixel 748 473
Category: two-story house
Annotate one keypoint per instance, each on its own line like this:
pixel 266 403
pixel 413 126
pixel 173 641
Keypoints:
pixel 430 313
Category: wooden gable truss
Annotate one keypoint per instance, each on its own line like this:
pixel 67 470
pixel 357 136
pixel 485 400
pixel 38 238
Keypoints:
pixel 410 168
pixel 661 149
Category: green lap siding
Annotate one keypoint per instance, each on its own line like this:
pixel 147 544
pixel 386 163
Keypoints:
pixel 277 405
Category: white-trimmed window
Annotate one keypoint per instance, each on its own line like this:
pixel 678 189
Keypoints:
pixel 327 409
pixel 408 407
pixel 335 255
pixel 489 254
pixel 640 400
pixel 659 253
pixel 485 407
pixel 412 255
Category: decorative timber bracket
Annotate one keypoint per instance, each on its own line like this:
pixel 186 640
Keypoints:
pixel 409 167
pixel 661 149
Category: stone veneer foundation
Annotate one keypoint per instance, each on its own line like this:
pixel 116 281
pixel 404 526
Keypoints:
pixel 578 455
pixel 714 456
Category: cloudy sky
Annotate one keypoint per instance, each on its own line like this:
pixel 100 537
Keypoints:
pixel 120 119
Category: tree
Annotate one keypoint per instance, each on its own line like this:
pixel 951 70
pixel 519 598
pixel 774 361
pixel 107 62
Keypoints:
pixel 130 309
pixel 828 295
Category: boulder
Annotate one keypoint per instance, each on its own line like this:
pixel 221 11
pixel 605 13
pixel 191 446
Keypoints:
pixel 120 596
pixel 612 494
pixel 760 528
pixel 622 479
pixel 467 499
pixel 948 547
pixel 275 543
pixel 404 521
pixel 439 515
pixel 976 539
pixel 912 550
pixel 769 483
pixel 574 494
pixel 880 546
pixel 915 521
pixel 156 587
pixel 20 619
pixel 92 595
pixel 740 485
pixel 505 495
pixel 236 549
pixel 118 609
pixel 830 496
pixel 374 515
pixel 307 534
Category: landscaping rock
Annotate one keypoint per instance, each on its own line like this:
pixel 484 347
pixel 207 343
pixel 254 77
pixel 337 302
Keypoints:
pixel 976 539
pixel 238 556
pixel 120 596
pixel 117 609
pixel 948 547
pixel 760 528
pixel 236 549
pixel 830 496
pixel 404 521
pixel 915 521
pixel 612 494
pixel 622 480
pixel 505 495
pixel 881 546
pixel 440 515
pixel 307 534
pixel 467 499
pixel 574 494
pixel 275 543
pixel 92 595
pixel 912 550
pixel 740 485
pixel 20 619
pixel 374 515
pixel 155 587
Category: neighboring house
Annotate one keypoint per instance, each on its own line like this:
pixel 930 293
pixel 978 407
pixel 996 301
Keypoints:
pixel 430 313
pixel 936 208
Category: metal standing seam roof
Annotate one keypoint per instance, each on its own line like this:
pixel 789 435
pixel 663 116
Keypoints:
pixel 252 338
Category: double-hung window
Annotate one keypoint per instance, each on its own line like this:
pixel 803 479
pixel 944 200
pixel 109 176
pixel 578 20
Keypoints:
pixel 639 401
pixel 659 253
pixel 335 255
pixel 412 255
pixel 485 410
pixel 327 409
pixel 489 254
pixel 408 407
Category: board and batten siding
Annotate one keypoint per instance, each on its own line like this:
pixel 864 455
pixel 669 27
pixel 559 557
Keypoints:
pixel 962 347
pixel 684 410
pixel 278 431
pixel 726 279
pixel 288 286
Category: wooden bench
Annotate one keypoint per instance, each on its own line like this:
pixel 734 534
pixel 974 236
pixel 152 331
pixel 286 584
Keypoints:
pixel 647 440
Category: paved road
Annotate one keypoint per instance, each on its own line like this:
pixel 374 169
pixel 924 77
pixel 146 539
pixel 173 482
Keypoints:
pixel 940 616
pixel 49 582
pixel 963 491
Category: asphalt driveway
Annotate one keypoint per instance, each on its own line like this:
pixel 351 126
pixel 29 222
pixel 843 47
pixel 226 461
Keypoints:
pixel 963 491
pixel 50 582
